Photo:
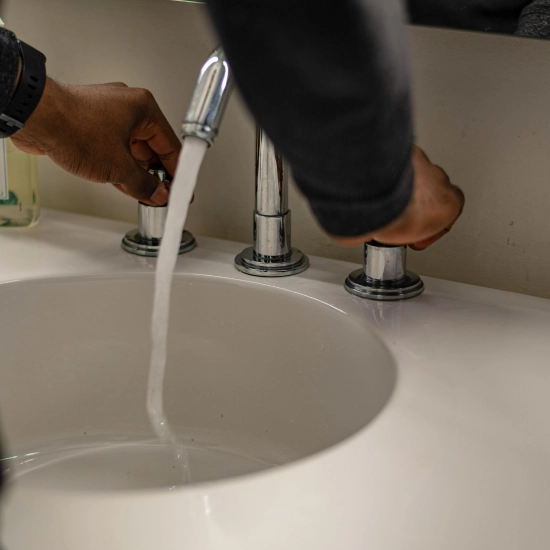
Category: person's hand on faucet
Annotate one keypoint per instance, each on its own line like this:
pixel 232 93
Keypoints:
pixel 104 133
pixel 435 206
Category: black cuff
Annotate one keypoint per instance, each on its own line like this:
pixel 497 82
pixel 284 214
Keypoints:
pixel 29 91
pixel 351 219
pixel 9 54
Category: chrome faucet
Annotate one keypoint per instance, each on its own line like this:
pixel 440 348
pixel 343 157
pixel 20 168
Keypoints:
pixel 271 254
pixel 202 120
pixel 384 275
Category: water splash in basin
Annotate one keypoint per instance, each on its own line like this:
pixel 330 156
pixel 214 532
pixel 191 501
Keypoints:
pixel 130 462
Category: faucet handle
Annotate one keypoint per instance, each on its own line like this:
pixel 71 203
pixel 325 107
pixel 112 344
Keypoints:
pixel 152 219
pixel 161 173
pixel 151 222
pixel 146 239
pixel 384 275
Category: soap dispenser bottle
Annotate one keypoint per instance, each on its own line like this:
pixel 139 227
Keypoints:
pixel 19 194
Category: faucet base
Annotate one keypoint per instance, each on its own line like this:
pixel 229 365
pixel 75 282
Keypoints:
pixel 134 243
pixel 361 285
pixel 247 262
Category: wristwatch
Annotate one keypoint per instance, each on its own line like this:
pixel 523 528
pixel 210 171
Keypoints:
pixel 29 92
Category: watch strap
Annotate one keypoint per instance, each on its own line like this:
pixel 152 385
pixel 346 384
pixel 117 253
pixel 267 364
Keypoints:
pixel 29 91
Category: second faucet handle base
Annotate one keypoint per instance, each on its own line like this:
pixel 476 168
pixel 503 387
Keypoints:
pixel 384 275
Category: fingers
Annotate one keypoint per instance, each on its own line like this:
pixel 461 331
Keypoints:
pixel 351 241
pixel 419 155
pixel 461 198
pixel 158 134
pixel 165 144
pixel 105 132
pixel 139 184
pixel 434 208
pixel 152 142
pixel 422 245
pixel 143 154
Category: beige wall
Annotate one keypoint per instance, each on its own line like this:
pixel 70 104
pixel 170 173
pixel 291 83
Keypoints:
pixel 482 113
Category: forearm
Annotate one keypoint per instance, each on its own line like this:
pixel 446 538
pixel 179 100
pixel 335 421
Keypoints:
pixel 337 105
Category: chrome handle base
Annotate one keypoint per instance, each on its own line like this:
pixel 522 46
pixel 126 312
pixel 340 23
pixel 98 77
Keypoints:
pixel 134 243
pixel 146 239
pixel 360 285
pixel 251 263
pixel 384 276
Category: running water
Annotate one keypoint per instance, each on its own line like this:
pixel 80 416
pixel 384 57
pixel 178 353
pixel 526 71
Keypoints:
pixel 132 460
pixel 181 194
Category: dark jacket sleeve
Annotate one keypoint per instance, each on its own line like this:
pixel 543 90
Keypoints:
pixel 329 82
pixel 9 65
pixel 534 21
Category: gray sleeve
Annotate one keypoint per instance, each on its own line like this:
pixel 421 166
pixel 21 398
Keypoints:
pixel 534 20
pixel 9 65
pixel 329 82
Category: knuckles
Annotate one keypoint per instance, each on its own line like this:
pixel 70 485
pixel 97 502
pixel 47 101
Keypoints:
pixel 143 96
pixel 117 84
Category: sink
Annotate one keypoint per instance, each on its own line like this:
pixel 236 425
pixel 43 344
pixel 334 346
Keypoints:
pixel 314 419
pixel 256 378
pixel 253 372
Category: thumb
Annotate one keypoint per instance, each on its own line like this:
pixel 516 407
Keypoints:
pixel 143 186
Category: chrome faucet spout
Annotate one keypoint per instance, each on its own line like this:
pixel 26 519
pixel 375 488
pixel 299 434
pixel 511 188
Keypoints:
pixel 210 97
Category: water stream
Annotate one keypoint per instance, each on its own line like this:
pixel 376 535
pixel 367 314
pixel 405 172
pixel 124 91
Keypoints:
pixel 181 194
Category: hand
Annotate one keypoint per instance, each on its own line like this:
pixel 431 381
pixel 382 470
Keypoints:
pixel 435 206
pixel 104 133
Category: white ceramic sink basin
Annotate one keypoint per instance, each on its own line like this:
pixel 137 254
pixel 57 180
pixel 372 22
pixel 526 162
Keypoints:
pixel 257 377
pixel 316 420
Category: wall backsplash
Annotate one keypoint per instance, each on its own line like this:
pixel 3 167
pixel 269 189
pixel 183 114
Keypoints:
pixel 482 114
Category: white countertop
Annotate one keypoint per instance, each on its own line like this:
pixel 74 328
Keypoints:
pixel 460 457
